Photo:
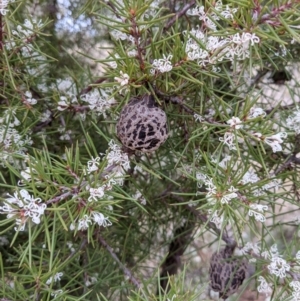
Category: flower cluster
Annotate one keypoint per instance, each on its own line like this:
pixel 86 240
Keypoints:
pixel 278 266
pixel 123 81
pixel 213 195
pixel 209 19
pixel 97 103
pixel 95 217
pixel 209 49
pixel 230 140
pixel 162 65
pixel 255 210
pixel 250 246
pixel 235 123
pixel 3 6
pixel 295 285
pixel 264 286
pixel 293 121
pixel 199 118
pixel 274 141
pixel 216 218
pixel 28 28
pixel 29 99
pixel 55 278
pixel 23 207
pixel 117 164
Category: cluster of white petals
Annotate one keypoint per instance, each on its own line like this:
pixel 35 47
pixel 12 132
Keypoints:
pixel 162 65
pixel 257 211
pixel 295 285
pixel 211 49
pixel 94 217
pixel 293 121
pixel 23 207
pixel 97 103
pixel 256 112
pixel 29 99
pixel 235 123
pixel 274 141
pixel 264 286
pixel 123 80
pixel 278 266
pixel 213 195
pixel 28 28
pixel 3 6
pixel 55 278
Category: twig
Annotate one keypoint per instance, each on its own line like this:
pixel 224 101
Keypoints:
pixel 90 86
pixel 125 270
pixel 179 14
pixel 59 198
pixel 229 241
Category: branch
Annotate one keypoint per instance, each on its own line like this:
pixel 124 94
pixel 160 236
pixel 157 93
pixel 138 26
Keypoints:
pixel 90 86
pixel 179 14
pixel 125 270
pixel 172 261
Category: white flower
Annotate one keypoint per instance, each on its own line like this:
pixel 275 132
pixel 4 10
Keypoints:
pixel 97 103
pixel 63 103
pixel 56 293
pixel 132 53
pixel 255 211
pixel 28 28
pixel 22 206
pixel 3 5
pixel 93 165
pixel 264 287
pixel 229 139
pixel 116 156
pixel 270 254
pixel 199 118
pixel 279 267
pixel 224 162
pixel 228 197
pixel 275 141
pixel 29 98
pixel 162 65
pixel 216 218
pixel 250 177
pixel 100 219
pixel 293 121
pixel 55 278
pixel 256 112
pixel 123 80
pixel 96 193
pixel 235 123
pixel 273 184
pixel 250 246
pixel 295 285
pixel 45 116
pixel 84 223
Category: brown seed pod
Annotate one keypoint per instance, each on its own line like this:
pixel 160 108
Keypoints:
pixel 142 125
pixel 226 273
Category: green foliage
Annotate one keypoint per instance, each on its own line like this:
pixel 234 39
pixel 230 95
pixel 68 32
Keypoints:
pixel 82 218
